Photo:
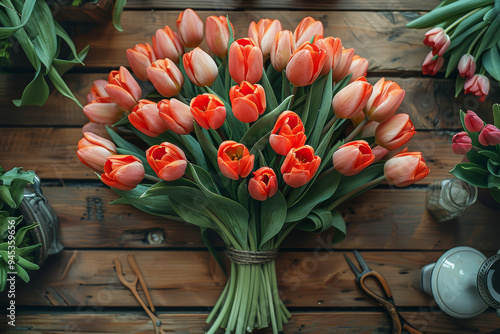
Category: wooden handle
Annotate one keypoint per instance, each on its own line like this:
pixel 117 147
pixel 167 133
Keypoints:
pixel 411 330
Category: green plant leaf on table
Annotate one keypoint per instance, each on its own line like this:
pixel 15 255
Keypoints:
pixel 117 14
pixel 491 61
pixel 471 173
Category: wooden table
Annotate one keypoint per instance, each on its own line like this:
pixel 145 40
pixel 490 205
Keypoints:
pixel 78 290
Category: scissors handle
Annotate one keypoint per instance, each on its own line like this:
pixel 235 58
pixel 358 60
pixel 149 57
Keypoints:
pixel 411 330
pixel 386 302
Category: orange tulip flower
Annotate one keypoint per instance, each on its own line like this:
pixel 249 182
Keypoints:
pixel 351 99
pixel 386 98
pixel 208 111
pixel 351 158
pixel 145 118
pixel 98 92
pixel 306 29
pixel 140 58
pixel 103 113
pixel 93 151
pixel 217 35
pixel 97 129
pixel 358 68
pixel 337 48
pixel 190 28
pixel 299 166
pixel 234 160
pixel 282 49
pixel 395 132
pixel 200 67
pixel 263 184
pixel 321 43
pixel 123 88
pixel 247 101
pixel 405 168
pixel 342 68
pixel 263 34
pixel 166 44
pixel 245 61
pixel 166 77
pixel 123 172
pixel 176 115
pixel 305 64
pixel 288 133
pixel 167 160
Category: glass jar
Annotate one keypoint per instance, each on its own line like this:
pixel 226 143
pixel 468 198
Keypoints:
pixel 448 199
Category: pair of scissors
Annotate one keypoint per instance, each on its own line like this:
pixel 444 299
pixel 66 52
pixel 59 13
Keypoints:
pixel 132 286
pixel 399 324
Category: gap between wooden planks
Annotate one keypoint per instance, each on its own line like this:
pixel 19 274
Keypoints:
pixel 95 320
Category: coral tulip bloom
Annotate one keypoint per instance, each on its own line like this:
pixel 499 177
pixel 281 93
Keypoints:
pixel 166 77
pixel 217 35
pixel 98 92
pixel 385 99
pixel 321 43
pixel 145 118
pixel 478 85
pixel 263 34
pixel 282 49
pixel 263 184
pixel 430 66
pixel 305 65
pixel 123 172
pixel 337 48
pixel 306 29
pixel 369 128
pixel 93 151
pixel 167 160
pixel 123 89
pixel 234 160
pixel 472 122
pixel 208 111
pixel 200 67
pixel 345 62
pixel 140 58
pixel 467 66
pixel 247 101
pixel 176 115
pixel 379 152
pixel 166 44
pixel 351 99
pixel 299 166
pixel 438 40
pixel 288 133
pixel 405 168
pixel 97 129
pixel 103 113
pixel 190 28
pixel 351 158
pixel 358 68
pixel 245 61
pixel 395 132
pixel 461 143
pixel 489 136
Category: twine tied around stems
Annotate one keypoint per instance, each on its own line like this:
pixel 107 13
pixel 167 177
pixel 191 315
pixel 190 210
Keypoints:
pixel 241 256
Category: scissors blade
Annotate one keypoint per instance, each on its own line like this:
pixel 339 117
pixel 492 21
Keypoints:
pixel 361 261
pixel 353 266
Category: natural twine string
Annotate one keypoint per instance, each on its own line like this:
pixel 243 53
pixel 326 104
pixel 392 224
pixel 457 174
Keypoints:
pixel 250 257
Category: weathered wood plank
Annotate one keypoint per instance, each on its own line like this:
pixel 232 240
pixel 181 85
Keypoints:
pixel 192 279
pixel 373 221
pixel 94 320
pixel 51 152
pixel 223 5
pixel 428 101
pixel 380 37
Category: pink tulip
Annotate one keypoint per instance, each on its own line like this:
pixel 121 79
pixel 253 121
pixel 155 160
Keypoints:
pixel 479 85
pixel 176 115
pixel 140 58
pixel 489 136
pixel 438 40
pixel 306 29
pixel 190 28
pixel 461 143
pixel 282 49
pixel 395 132
pixel 263 34
pixel 145 118
pixel 472 122
pixel 123 88
pixel 379 152
pixel 431 66
pixel 343 67
pixel 385 99
pixel 166 77
pixel 123 172
pixel 358 68
pixel 166 44
pixel 467 66
pixel 351 99
pixel 217 35
pixel 93 151
pixel 200 67
pixel 351 158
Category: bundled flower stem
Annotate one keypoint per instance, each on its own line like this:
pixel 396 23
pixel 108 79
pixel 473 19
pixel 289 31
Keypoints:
pixel 467 34
pixel 251 143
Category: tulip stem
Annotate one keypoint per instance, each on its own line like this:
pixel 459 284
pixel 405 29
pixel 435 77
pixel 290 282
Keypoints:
pixel 294 92
pixel 152 178
pixel 454 24
pixel 373 145
pixel 221 134
pixel 476 40
pixel 329 124
pixel 356 191
pixel 356 130
pixel 181 98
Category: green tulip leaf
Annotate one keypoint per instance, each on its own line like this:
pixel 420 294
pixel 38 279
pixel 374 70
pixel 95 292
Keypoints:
pixel 268 90
pixel 64 35
pixel 321 220
pixel 496 115
pixel 35 93
pixel 459 85
pixel 208 242
pixel 312 106
pixel 61 86
pixel 273 212
pixel 490 38
pixel 456 54
pixel 471 173
pixel 63 65
pixel 206 146
pixel 117 14
pixel 7 30
pixel 323 111
pixel 491 61
pixel 495 193
pixel 470 21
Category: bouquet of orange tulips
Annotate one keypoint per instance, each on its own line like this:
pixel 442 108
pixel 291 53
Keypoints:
pixel 270 133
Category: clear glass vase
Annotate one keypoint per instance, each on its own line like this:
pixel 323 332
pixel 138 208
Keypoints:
pixel 448 199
